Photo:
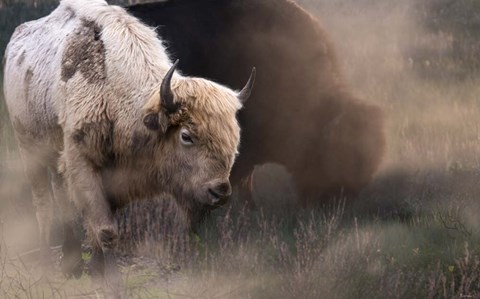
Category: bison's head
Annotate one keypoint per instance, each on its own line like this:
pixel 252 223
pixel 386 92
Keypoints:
pixel 196 120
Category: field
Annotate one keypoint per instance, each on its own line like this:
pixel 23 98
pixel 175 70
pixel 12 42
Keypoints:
pixel 413 233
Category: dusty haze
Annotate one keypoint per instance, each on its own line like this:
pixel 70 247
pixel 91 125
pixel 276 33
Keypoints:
pixel 413 232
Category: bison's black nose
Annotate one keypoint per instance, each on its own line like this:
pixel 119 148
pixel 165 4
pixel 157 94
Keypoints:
pixel 221 191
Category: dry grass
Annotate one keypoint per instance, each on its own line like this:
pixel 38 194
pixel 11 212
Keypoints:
pixel 413 233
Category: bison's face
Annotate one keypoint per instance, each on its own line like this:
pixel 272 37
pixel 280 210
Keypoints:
pixel 201 138
pixel 202 155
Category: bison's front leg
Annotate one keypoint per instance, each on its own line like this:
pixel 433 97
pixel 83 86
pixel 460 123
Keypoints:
pixel 85 184
pixel 37 174
pixel 72 263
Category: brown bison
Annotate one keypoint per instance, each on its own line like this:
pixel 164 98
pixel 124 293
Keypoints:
pixel 302 114
pixel 94 100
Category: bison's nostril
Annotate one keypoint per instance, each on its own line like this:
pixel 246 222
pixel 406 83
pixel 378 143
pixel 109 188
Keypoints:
pixel 221 190
pixel 215 193
pixel 224 188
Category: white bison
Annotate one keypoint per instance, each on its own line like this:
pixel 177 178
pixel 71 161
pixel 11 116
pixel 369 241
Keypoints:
pixel 94 101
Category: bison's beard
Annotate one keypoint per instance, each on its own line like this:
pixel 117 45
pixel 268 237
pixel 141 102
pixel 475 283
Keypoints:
pixel 194 206
pixel 195 211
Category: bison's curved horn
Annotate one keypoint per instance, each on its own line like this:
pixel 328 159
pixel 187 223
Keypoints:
pixel 166 93
pixel 244 94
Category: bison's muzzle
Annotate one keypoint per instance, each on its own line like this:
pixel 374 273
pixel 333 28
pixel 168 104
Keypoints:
pixel 219 192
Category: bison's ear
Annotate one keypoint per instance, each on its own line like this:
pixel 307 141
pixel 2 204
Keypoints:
pixel 244 94
pixel 151 121
pixel 155 122
pixel 152 118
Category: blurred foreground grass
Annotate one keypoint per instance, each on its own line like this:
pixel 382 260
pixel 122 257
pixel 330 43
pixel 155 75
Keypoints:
pixel 414 232
pixel 321 254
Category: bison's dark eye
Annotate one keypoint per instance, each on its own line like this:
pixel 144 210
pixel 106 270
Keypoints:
pixel 185 137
